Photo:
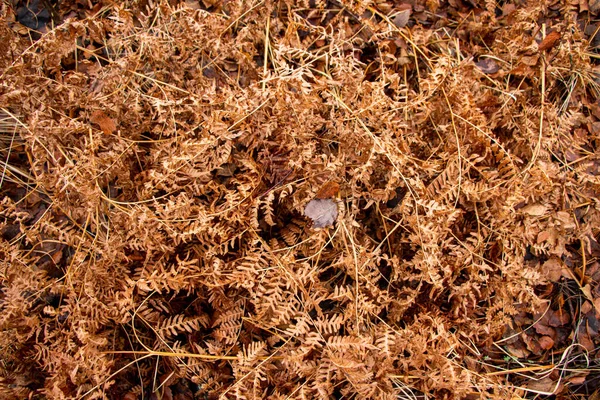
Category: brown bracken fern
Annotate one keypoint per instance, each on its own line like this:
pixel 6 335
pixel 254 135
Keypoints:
pixel 158 156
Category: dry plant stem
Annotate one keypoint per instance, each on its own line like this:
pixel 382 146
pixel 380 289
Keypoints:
pixel 151 353
pixel 542 104
pixel 524 369
pixel 266 52
pixel 356 275
pixel 258 4
pixel 583 264
pixel 10 146
pixel 117 372
pixel 460 173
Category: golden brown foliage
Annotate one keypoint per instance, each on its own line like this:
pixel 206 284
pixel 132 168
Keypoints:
pixel 161 156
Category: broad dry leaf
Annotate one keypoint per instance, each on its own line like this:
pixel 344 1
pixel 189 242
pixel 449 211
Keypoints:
pixel 597 305
pixel 323 212
pixel 535 210
pixel 530 60
pixel 546 342
pixel 401 19
pixel 518 350
pixel 556 319
pixel 554 269
pixel 587 291
pixel 546 385
pixel 566 219
pixel 487 66
pixel 106 124
pixel 578 380
pixel 584 339
pixel 328 190
pixel 549 41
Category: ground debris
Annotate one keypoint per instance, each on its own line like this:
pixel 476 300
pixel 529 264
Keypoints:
pixel 163 163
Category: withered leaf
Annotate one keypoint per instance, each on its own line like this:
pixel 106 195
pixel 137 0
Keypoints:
pixel 487 66
pixel 587 291
pixel 522 70
pixel 546 385
pixel 518 350
pixel 586 307
pixel 546 342
pixel 401 19
pixel 323 212
pixel 584 339
pixel 328 190
pixel 508 9
pixel 554 269
pixel 106 124
pixel 549 41
pixel 194 5
pixel 532 344
pixel 535 210
pixel 543 329
pixel 558 318
pixel 530 60
pixel 578 380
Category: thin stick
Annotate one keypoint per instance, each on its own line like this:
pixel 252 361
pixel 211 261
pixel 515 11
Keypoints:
pixel 266 56
pixel 538 145
pixel 524 369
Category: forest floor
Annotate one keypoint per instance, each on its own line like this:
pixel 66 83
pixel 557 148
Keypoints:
pixel 299 199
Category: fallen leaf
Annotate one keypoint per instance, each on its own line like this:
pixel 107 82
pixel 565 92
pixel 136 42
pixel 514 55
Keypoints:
pixel 522 70
pixel 487 66
pixel 597 305
pixel 577 380
pixel 545 330
pixel 546 385
pixel 566 219
pixel 549 41
pixel 401 19
pixel 106 124
pixel 554 269
pixel 518 350
pixel 323 212
pixel 558 318
pixel 508 9
pixel 193 4
pixel 587 290
pixel 543 236
pixel 532 344
pixel 546 342
pixel 535 210
pixel 584 339
pixel 328 190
